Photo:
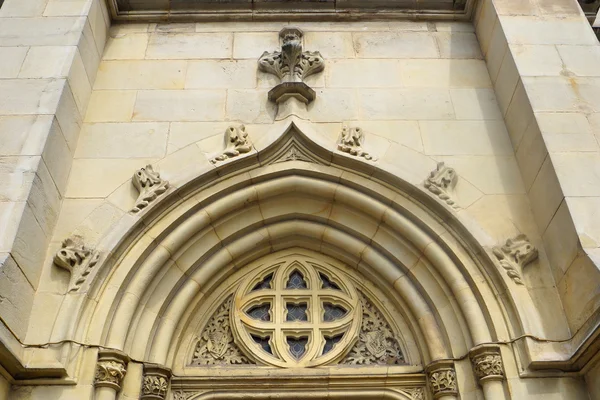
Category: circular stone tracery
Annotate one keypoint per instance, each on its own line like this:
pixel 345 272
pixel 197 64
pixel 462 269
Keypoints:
pixel 296 314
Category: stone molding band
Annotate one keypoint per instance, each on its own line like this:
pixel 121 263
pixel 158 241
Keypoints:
pixel 111 369
pixel 442 378
pixel 487 363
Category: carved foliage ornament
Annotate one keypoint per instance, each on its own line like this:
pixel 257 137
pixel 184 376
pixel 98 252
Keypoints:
pixel 515 255
pixel 441 182
pixel 488 366
pixel 351 142
pixel 76 258
pixel 150 185
pixel 236 141
pixel 155 383
pixel 291 65
pixel 442 379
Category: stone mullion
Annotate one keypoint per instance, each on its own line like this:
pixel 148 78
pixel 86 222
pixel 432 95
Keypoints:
pixel 489 371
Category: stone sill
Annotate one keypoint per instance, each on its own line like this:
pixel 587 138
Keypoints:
pixel 249 10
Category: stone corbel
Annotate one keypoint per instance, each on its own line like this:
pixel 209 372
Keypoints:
pixel 111 369
pixel 150 185
pixel 291 65
pixel 441 182
pixel 517 253
pixel 442 379
pixel 487 363
pixel 351 142
pixel 156 382
pixel 76 258
pixel 237 142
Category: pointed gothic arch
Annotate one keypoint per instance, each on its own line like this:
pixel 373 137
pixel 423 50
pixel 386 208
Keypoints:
pixel 291 191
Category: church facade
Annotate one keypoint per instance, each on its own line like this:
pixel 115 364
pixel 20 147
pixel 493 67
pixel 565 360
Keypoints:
pixel 343 199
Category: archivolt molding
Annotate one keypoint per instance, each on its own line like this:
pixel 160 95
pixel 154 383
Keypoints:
pixel 219 221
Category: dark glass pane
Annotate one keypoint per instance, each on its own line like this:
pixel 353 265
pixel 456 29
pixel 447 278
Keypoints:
pixel 326 283
pixel 263 342
pixel 333 312
pixel 296 281
pixel 296 312
pixel 260 312
pixel 297 346
pixel 330 342
pixel 264 284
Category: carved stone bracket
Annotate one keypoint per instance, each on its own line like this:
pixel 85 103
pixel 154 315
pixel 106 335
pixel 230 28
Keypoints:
pixel 441 182
pixel 150 185
pixel 351 142
pixel 237 142
pixel 291 65
pixel 515 255
pixel 76 258
pixel 442 378
pixel 111 369
pixel 156 382
pixel 487 363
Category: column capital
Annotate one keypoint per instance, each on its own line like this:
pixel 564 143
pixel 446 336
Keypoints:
pixel 156 382
pixel 111 369
pixel 442 378
pixel 487 363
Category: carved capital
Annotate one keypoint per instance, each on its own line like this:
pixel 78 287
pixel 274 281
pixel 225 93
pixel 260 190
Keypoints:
pixel 150 185
pixel 517 253
pixel 291 65
pixel 442 378
pixel 351 142
pixel 111 369
pixel 441 182
pixel 156 382
pixel 487 363
pixel 236 141
pixel 76 258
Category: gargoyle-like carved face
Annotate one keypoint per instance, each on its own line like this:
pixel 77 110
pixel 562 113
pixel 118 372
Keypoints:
pixel 521 250
pixel 71 254
pixel 146 177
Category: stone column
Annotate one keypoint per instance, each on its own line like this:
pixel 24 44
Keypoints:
pixel 110 371
pixel 488 369
pixel 156 382
pixel 442 380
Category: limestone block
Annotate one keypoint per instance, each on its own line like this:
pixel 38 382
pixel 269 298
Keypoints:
pixel 585 218
pixel 123 140
pixel 496 51
pixel 537 60
pixel 11 59
pixel 30 96
pixel 545 194
pixel 458 45
pixel 118 29
pixel 475 104
pixel 29 246
pixel 410 103
pixel 571 143
pixel 491 175
pixel 578 173
pixel 516 7
pixel 395 45
pixel 100 177
pixel 79 84
pixel 506 81
pixel 580 60
pixel 252 45
pixel 72 213
pixel 137 74
pixel 182 134
pixel 454 26
pixel 89 53
pixel 66 8
pixel 44 200
pixel 20 171
pixel 485 21
pixel 111 106
pixel 126 46
pixel 526 30
pixel 255 26
pixel 179 105
pixel 519 115
pixel 531 153
pixel 43 315
pixel 331 45
pixel 68 116
pixel 16 299
pixel 465 138
pixel 406 133
pixel 23 135
pixel 334 105
pixel 172 27
pixel 251 106
pixel 99 22
pixel 190 46
pixel 445 73
pixel 209 74
pixel 579 289
pixel 564 123
pixel 364 73
pixel 46 31
pixel 16 8
pixel 407 163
